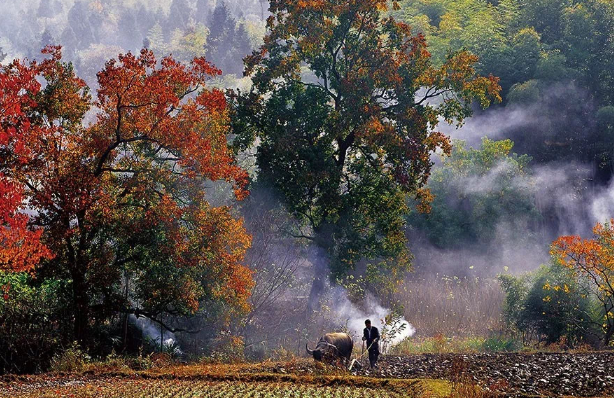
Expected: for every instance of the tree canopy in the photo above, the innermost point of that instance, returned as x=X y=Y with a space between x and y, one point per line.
x=475 y=191
x=344 y=107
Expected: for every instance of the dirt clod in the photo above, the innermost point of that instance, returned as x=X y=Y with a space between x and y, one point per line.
x=550 y=374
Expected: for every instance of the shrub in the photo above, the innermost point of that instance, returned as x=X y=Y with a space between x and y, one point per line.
x=228 y=349
x=72 y=359
x=500 y=344
x=117 y=363
x=548 y=306
x=32 y=322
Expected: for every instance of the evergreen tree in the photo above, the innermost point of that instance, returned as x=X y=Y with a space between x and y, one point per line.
x=58 y=7
x=203 y=9
x=45 y=9
x=129 y=34
x=228 y=42
x=69 y=42
x=179 y=16
x=26 y=36
x=242 y=44
x=47 y=39
x=220 y=23
x=155 y=38
x=80 y=25
x=145 y=20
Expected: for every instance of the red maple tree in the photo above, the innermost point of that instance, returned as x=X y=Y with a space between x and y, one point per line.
x=110 y=190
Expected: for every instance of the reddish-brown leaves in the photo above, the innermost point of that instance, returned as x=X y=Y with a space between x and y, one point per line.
x=169 y=107
x=588 y=256
x=20 y=246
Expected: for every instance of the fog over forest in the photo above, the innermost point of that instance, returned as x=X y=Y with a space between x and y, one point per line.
x=497 y=206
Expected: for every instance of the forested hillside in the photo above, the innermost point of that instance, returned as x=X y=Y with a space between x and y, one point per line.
x=556 y=56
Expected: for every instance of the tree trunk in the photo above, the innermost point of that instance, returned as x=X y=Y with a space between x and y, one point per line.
x=320 y=258
x=320 y=273
x=125 y=326
x=608 y=335
x=81 y=306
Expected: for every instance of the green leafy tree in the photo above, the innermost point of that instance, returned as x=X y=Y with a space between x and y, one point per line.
x=524 y=55
x=524 y=93
x=586 y=41
x=555 y=307
x=549 y=306
x=545 y=16
x=475 y=190
x=344 y=106
x=189 y=43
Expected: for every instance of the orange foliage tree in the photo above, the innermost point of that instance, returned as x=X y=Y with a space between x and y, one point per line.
x=109 y=193
x=592 y=260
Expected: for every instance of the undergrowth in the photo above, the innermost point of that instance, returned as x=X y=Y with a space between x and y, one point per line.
x=440 y=344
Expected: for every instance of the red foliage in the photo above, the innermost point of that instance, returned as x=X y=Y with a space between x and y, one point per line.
x=20 y=246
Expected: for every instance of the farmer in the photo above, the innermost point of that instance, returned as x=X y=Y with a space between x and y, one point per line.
x=371 y=336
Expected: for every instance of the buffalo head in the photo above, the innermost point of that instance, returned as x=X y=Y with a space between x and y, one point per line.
x=332 y=346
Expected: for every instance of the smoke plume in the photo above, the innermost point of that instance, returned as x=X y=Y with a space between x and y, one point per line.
x=353 y=316
x=159 y=338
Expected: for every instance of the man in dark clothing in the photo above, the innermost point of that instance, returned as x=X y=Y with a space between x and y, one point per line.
x=371 y=336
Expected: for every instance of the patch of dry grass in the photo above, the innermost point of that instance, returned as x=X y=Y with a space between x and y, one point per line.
x=269 y=379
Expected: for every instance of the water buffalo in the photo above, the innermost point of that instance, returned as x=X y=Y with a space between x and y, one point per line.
x=332 y=346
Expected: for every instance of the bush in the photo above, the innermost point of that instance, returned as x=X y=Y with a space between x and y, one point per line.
x=548 y=306
x=71 y=360
x=439 y=344
x=115 y=362
x=516 y=289
x=500 y=344
x=228 y=348
x=33 y=323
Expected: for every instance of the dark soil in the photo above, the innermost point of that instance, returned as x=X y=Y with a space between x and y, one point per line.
x=514 y=374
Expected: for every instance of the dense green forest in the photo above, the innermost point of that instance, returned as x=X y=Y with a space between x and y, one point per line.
x=457 y=139
x=554 y=55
